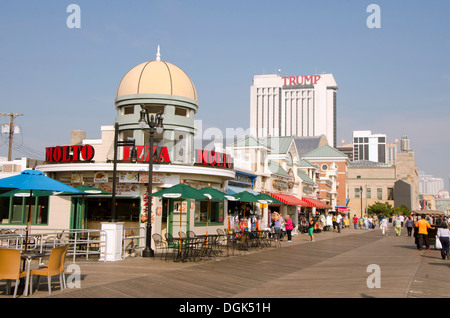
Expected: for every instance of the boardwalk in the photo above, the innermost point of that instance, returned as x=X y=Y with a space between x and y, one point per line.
x=335 y=266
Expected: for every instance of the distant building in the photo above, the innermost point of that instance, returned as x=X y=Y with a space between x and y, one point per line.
x=298 y=106
x=368 y=146
x=369 y=182
x=430 y=185
x=346 y=149
x=332 y=170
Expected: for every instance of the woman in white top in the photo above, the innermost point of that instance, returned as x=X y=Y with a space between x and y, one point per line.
x=443 y=234
x=384 y=226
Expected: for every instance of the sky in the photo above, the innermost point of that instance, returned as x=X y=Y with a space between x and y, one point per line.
x=392 y=79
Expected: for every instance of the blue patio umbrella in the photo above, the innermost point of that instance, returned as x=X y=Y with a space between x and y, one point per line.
x=34 y=180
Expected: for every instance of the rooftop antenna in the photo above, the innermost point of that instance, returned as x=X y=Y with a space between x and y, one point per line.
x=158 y=55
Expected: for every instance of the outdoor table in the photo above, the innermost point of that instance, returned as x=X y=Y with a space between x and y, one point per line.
x=27 y=258
x=181 y=248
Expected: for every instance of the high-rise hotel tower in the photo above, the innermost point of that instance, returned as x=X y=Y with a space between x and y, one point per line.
x=301 y=106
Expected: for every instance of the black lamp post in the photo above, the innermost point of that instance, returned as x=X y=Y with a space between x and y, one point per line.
x=133 y=159
x=155 y=123
x=361 y=195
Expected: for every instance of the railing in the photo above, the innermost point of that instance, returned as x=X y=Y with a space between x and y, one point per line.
x=133 y=239
x=83 y=243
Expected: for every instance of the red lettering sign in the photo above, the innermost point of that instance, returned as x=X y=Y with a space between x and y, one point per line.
x=212 y=158
x=301 y=80
x=160 y=154
x=69 y=153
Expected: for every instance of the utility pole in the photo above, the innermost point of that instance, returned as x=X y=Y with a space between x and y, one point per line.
x=11 y=130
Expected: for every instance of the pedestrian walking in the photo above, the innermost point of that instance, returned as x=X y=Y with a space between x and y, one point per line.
x=311 y=230
x=366 y=222
x=443 y=233
x=384 y=226
x=276 y=218
x=422 y=232
x=289 y=228
x=409 y=224
x=398 y=226
x=370 y=219
x=355 y=221
x=338 y=222
x=282 y=228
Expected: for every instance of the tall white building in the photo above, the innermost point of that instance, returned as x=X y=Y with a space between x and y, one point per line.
x=301 y=106
x=368 y=146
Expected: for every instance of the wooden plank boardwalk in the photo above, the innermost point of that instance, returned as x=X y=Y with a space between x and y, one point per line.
x=334 y=266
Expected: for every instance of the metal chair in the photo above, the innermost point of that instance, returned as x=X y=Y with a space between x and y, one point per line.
x=172 y=244
x=160 y=244
x=10 y=267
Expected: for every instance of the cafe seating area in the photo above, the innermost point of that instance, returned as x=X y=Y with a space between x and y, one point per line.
x=183 y=247
x=20 y=266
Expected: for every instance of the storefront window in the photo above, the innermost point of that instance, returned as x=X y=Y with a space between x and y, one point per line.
x=214 y=214
x=14 y=210
x=99 y=209
x=4 y=210
x=17 y=211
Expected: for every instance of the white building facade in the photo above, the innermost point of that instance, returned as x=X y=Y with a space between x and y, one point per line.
x=368 y=146
x=299 y=106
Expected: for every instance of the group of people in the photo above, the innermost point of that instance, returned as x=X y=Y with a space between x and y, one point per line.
x=418 y=226
x=442 y=234
x=282 y=226
x=365 y=223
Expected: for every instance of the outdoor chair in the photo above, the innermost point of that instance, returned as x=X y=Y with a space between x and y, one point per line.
x=160 y=244
x=221 y=239
x=172 y=244
x=53 y=268
x=191 y=234
x=63 y=260
x=10 y=267
x=193 y=248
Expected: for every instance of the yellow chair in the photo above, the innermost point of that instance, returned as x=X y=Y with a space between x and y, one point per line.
x=63 y=259
x=53 y=268
x=10 y=267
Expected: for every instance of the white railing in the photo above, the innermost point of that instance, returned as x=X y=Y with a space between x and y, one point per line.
x=83 y=243
x=133 y=240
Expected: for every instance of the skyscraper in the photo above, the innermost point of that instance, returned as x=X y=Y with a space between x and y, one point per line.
x=301 y=106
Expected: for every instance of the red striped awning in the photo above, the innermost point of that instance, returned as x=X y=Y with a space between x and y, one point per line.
x=314 y=203
x=288 y=199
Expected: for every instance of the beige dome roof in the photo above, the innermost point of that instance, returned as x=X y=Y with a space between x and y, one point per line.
x=157 y=77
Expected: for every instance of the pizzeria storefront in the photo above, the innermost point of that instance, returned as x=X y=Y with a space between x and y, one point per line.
x=156 y=87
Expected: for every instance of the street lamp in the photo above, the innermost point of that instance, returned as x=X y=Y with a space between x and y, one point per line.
x=361 y=195
x=155 y=123
x=133 y=159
